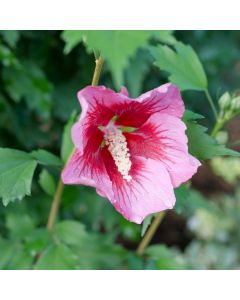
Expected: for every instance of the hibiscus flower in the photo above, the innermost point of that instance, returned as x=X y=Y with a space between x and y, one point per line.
x=133 y=151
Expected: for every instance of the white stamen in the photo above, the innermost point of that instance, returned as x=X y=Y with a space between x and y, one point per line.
x=118 y=148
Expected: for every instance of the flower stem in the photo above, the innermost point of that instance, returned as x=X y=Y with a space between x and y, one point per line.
x=210 y=100
x=55 y=205
x=219 y=124
x=60 y=186
x=150 y=233
x=98 y=67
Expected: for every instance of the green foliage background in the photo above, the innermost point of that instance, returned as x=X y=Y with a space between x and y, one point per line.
x=40 y=74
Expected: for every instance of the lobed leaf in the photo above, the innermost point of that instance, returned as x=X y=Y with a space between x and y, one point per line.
x=70 y=232
x=190 y=115
x=116 y=46
x=57 y=257
x=16 y=173
x=27 y=81
x=202 y=145
x=184 y=66
x=46 y=158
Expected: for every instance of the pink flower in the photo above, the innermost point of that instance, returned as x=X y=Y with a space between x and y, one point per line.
x=133 y=151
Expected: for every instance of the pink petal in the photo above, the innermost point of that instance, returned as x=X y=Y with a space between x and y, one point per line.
x=100 y=104
x=88 y=170
x=91 y=97
x=124 y=91
x=96 y=104
x=149 y=191
x=166 y=99
x=162 y=137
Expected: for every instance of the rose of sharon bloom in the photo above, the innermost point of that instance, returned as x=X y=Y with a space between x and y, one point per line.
x=133 y=151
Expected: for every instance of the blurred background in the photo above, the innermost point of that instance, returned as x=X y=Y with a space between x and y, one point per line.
x=38 y=86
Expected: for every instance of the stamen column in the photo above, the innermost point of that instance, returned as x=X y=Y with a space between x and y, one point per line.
x=117 y=146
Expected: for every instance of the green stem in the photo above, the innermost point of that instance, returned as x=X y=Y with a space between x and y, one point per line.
x=60 y=186
x=150 y=233
x=98 y=67
x=219 y=124
x=55 y=205
x=210 y=100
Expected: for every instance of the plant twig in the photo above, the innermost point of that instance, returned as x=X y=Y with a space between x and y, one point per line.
x=210 y=100
x=60 y=186
x=216 y=128
x=55 y=205
x=150 y=232
x=97 y=71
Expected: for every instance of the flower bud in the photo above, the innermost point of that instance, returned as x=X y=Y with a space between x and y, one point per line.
x=222 y=137
x=235 y=103
x=225 y=101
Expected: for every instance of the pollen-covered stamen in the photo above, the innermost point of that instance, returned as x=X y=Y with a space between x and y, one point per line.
x=117 y=146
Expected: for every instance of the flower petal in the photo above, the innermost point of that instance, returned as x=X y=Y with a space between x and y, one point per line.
x=162 y=137
x=96 y=103
x=149 y=191
x=158 y=149
x=166 y=99
x=88 y=170
x=124 y=91
x=100 y=104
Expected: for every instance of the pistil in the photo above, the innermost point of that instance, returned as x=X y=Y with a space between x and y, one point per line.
x=117 y=146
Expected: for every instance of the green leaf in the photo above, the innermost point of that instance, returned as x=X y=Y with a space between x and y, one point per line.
x=182 y=196
x=67 y=144
x=7 y=57
x=185 y=68
x=141 y=63
x=27 y=81
x=11 y=37
x=136 y=72
x=6 y=253
x=19 y=225
x=189 y=200
x=165 y=258
x=70 y=232
x=21 y=260
x=64 y=96
x=165 y=36
x=46 y=158
x=190 y=115
x=202 y=145
x=116 y=46
x=97 y=252
x=93 y=251
x=16 y=173
x=13 y=256
x=57 y=257
x=37 y=240
x=47 y=182
x=146 y=223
